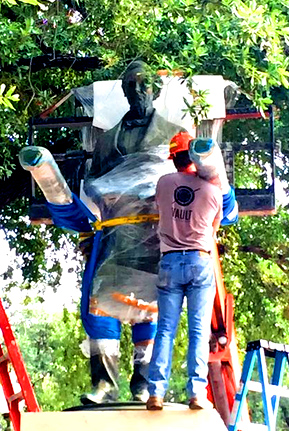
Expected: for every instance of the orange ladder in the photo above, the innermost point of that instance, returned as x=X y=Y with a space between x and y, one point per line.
x=14 y=357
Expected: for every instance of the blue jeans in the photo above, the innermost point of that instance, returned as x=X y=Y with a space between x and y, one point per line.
x=181 y=274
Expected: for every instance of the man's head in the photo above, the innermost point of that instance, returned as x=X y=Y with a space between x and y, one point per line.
x=179 y=151
x=137 y=85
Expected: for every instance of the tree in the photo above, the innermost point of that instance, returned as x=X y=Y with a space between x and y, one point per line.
x=50 y=347
x=245 y=41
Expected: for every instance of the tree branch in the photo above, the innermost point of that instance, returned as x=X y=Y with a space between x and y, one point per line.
x=63 y=62
x=280 y=260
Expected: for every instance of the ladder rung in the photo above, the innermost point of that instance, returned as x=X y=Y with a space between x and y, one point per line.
x=15 y=397
x=274 y=389
x=4 y=358
x=269 y=346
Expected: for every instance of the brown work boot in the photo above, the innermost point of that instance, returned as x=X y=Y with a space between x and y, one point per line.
x=199 y=403
x=155 y=403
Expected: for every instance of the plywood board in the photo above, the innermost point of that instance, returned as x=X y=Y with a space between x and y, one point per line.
x=124 y=420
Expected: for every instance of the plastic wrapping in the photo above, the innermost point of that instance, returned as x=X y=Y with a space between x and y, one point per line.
x=40 y=162
x=125 y=284
x=129 y=188
x=85 y=96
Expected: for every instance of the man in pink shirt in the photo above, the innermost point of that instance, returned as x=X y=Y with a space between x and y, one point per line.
x=190 y=210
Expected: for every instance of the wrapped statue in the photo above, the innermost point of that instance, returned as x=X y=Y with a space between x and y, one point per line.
x=121 y=243
x=119 y=279
x=127 y=162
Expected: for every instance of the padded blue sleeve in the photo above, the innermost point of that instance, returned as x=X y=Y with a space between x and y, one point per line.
x=74 y=216
x=105 y=327
x=143 y=331
x=230 y=208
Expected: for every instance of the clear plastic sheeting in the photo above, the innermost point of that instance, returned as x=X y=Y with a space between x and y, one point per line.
x=125 y=284
x=123 y=291
x=129 y=188
x=85 y=97
x=45 y=171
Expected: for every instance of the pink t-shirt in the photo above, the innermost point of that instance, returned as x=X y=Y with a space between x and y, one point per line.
x=187 y=205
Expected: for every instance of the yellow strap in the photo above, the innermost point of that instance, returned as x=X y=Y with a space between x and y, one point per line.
x=141 y=218
x=99 y=225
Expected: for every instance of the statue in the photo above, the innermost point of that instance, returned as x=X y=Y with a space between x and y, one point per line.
x=121 y=183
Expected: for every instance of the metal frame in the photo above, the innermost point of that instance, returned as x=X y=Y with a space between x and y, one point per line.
x=257 y=202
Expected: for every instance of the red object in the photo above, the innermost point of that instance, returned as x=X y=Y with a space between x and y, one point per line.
x=224 y=365
x=14 y=356
x=180 y=142
x=246 y=116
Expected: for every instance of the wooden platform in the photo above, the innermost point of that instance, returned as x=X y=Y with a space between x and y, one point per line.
x=174 y=417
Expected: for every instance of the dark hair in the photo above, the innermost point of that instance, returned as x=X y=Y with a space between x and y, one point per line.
x=182 y=159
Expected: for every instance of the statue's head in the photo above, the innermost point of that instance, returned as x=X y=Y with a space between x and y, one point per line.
x=138 y=84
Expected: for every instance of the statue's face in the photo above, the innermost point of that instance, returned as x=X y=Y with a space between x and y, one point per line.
x=138 y=91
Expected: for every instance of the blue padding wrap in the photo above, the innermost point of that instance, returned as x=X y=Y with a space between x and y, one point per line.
x=74 y=216
x=230 y=208
x=89 y=321
x=100 y=251
x=143 y=331
x=106 y=327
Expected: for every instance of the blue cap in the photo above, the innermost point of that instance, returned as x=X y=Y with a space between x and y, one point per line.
x=202 y=145
x=199 y=148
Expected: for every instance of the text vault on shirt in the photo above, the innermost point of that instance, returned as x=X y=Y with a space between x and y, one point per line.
x=181 y=214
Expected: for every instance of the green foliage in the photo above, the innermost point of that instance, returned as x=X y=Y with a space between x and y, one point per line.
x=199 y=109
x=255 y=273
x=246 y=42
x=126 y=363
x=8 y=97
x=14 y=2
x=36 y=246
x=50 y=347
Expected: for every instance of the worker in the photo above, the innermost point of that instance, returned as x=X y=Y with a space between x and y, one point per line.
x=190 y=210
x=140 y=130
x=207 y=157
